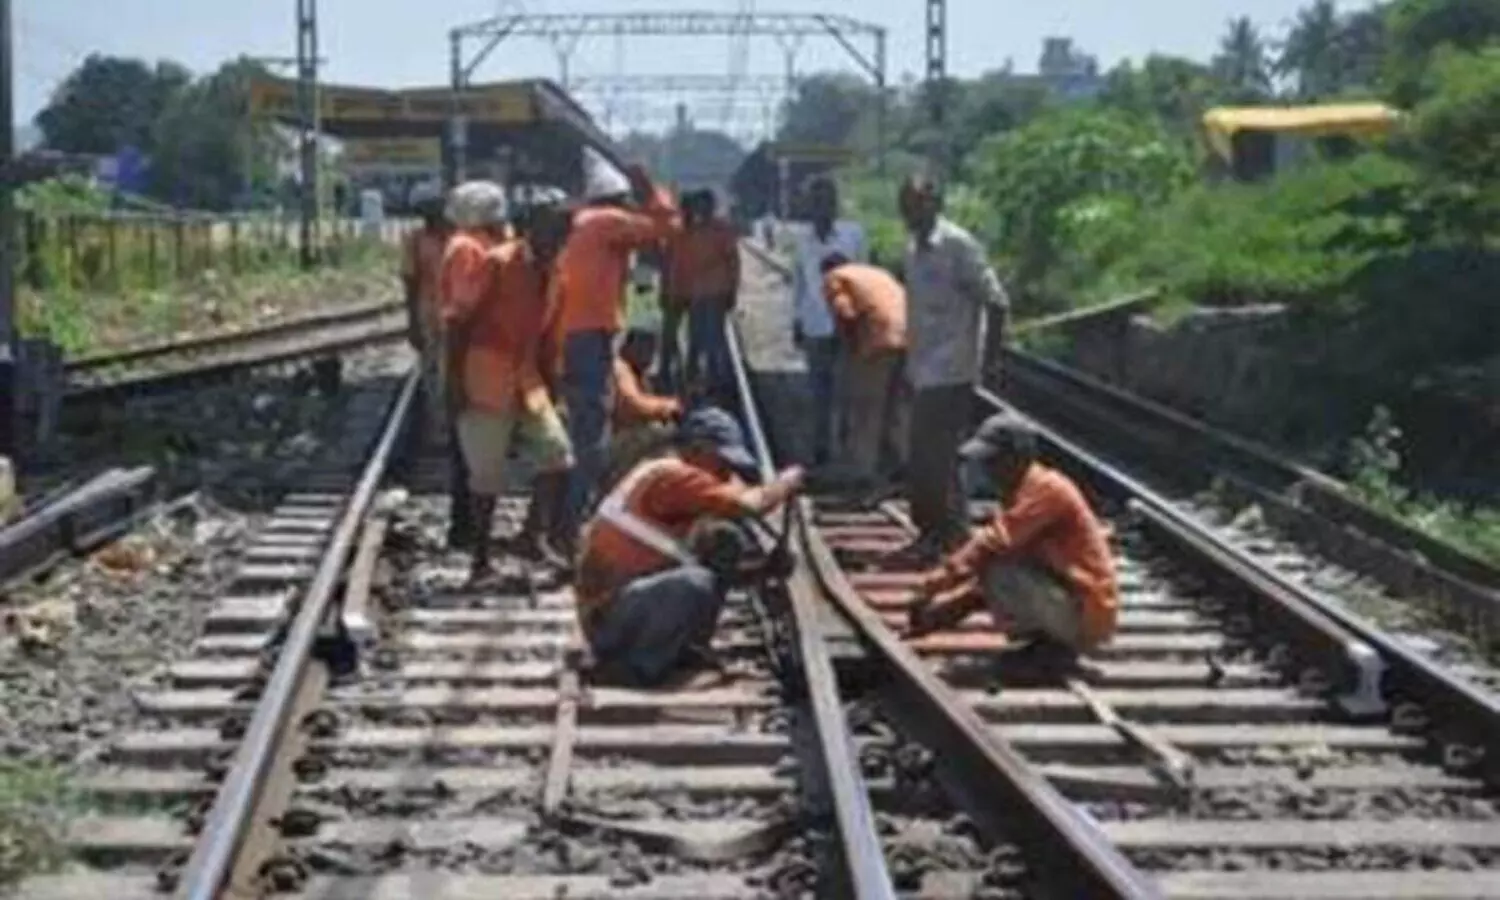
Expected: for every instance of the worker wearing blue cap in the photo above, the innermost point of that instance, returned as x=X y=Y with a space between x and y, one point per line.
x=654 y=568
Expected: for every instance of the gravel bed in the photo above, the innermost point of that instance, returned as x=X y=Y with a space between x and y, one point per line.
x=1292 y=801
x=1420 y=625
x=77 y=639
x=1317 y=859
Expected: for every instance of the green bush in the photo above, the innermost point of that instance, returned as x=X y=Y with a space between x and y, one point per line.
x=1286 y=241
x=1071 y=180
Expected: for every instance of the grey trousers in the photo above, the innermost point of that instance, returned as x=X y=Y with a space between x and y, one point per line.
x=877 y=410
x=940 y=420
x=652 y=621
x=1035 y=600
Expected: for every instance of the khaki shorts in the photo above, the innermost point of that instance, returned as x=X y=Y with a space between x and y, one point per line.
x=486 y=438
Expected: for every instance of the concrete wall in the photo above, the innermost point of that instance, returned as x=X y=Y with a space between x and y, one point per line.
x=1218 y=364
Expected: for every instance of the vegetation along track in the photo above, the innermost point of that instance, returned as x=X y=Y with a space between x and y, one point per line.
x=170 y=366
x=1443 y=600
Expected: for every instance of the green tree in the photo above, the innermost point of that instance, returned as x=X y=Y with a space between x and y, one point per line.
x=1243 y=63
x=110 y=102
x=689 y=157
x=209 y=150
x=1455 y=131
x=827 y=109
x=1169 y=88
x=1311 y=54
x=1418 y=29
x=994 y=103
x=1070 y=175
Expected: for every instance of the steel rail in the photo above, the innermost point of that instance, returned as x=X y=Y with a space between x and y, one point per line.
x=228 y=821
x=997 y=787
x=1318 y=625
x=148 y=382
x=864 y=871
x=136 y=355
x=1321 y=492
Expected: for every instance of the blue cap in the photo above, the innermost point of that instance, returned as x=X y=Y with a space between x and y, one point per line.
x=713 y=427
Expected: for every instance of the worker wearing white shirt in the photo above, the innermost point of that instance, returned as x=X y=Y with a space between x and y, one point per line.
x=814 y=330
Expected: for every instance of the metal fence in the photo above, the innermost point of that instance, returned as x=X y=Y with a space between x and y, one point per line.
x=114 y=251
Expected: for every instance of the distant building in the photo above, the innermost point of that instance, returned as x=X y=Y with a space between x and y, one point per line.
x=1068 y=73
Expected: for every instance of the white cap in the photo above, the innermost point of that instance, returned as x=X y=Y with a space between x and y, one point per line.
x=476 y=204
x=601 y=180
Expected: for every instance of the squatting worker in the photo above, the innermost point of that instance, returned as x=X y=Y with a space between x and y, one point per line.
x=949 y=289
x=593 y=268
x=642 y=422
x=1042 y=565
x=703 y=275
x=869 y=307
x=497 y=335
x=813 y=329
x=648 y=599
x=421 y=268
x=476 y=210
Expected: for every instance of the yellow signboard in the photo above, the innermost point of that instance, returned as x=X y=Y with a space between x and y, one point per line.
x=505 y=104
x=420 y=152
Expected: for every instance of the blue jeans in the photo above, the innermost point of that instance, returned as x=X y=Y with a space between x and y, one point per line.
x=587 y=360
x=822 y=363
x=653 y=620
x=708 y=348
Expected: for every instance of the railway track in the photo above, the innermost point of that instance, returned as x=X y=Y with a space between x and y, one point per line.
x=1244 y=736
x=1446 y=602
x=179 y=364
x=1241 y=738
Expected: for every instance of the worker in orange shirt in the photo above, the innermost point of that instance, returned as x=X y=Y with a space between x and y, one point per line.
x=641 y=421
x=497 y=325
x=1042 y=565
x=593 y=269
x=654 y=569
x=869 y=310
x=703 y=275
x=421 y=269
x=476 y=212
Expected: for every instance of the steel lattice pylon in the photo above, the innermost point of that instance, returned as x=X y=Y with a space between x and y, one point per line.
x=864 y=42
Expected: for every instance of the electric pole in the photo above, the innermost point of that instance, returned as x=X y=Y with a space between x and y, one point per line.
x=307 y=109
x=10 y=178
x=937 y=74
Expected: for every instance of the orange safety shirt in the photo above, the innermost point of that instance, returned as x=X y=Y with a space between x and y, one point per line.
x=461 y=278
x=1048 y=523
x=703 y=263
x=868 y=301
x=594 y=266
x=634 y=405
x=672 y=498
x=508 y=321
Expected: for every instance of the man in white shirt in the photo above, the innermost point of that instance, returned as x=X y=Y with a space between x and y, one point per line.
x=813 y=329
x=952 y=295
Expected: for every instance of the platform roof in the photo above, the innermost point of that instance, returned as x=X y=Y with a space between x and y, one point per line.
x=535 y=116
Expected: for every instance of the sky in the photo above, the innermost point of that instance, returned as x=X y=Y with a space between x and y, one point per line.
x=397 y=43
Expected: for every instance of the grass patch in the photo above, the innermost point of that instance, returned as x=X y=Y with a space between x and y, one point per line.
x=1376 y=462
x=34 y=799
x=84 y=323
